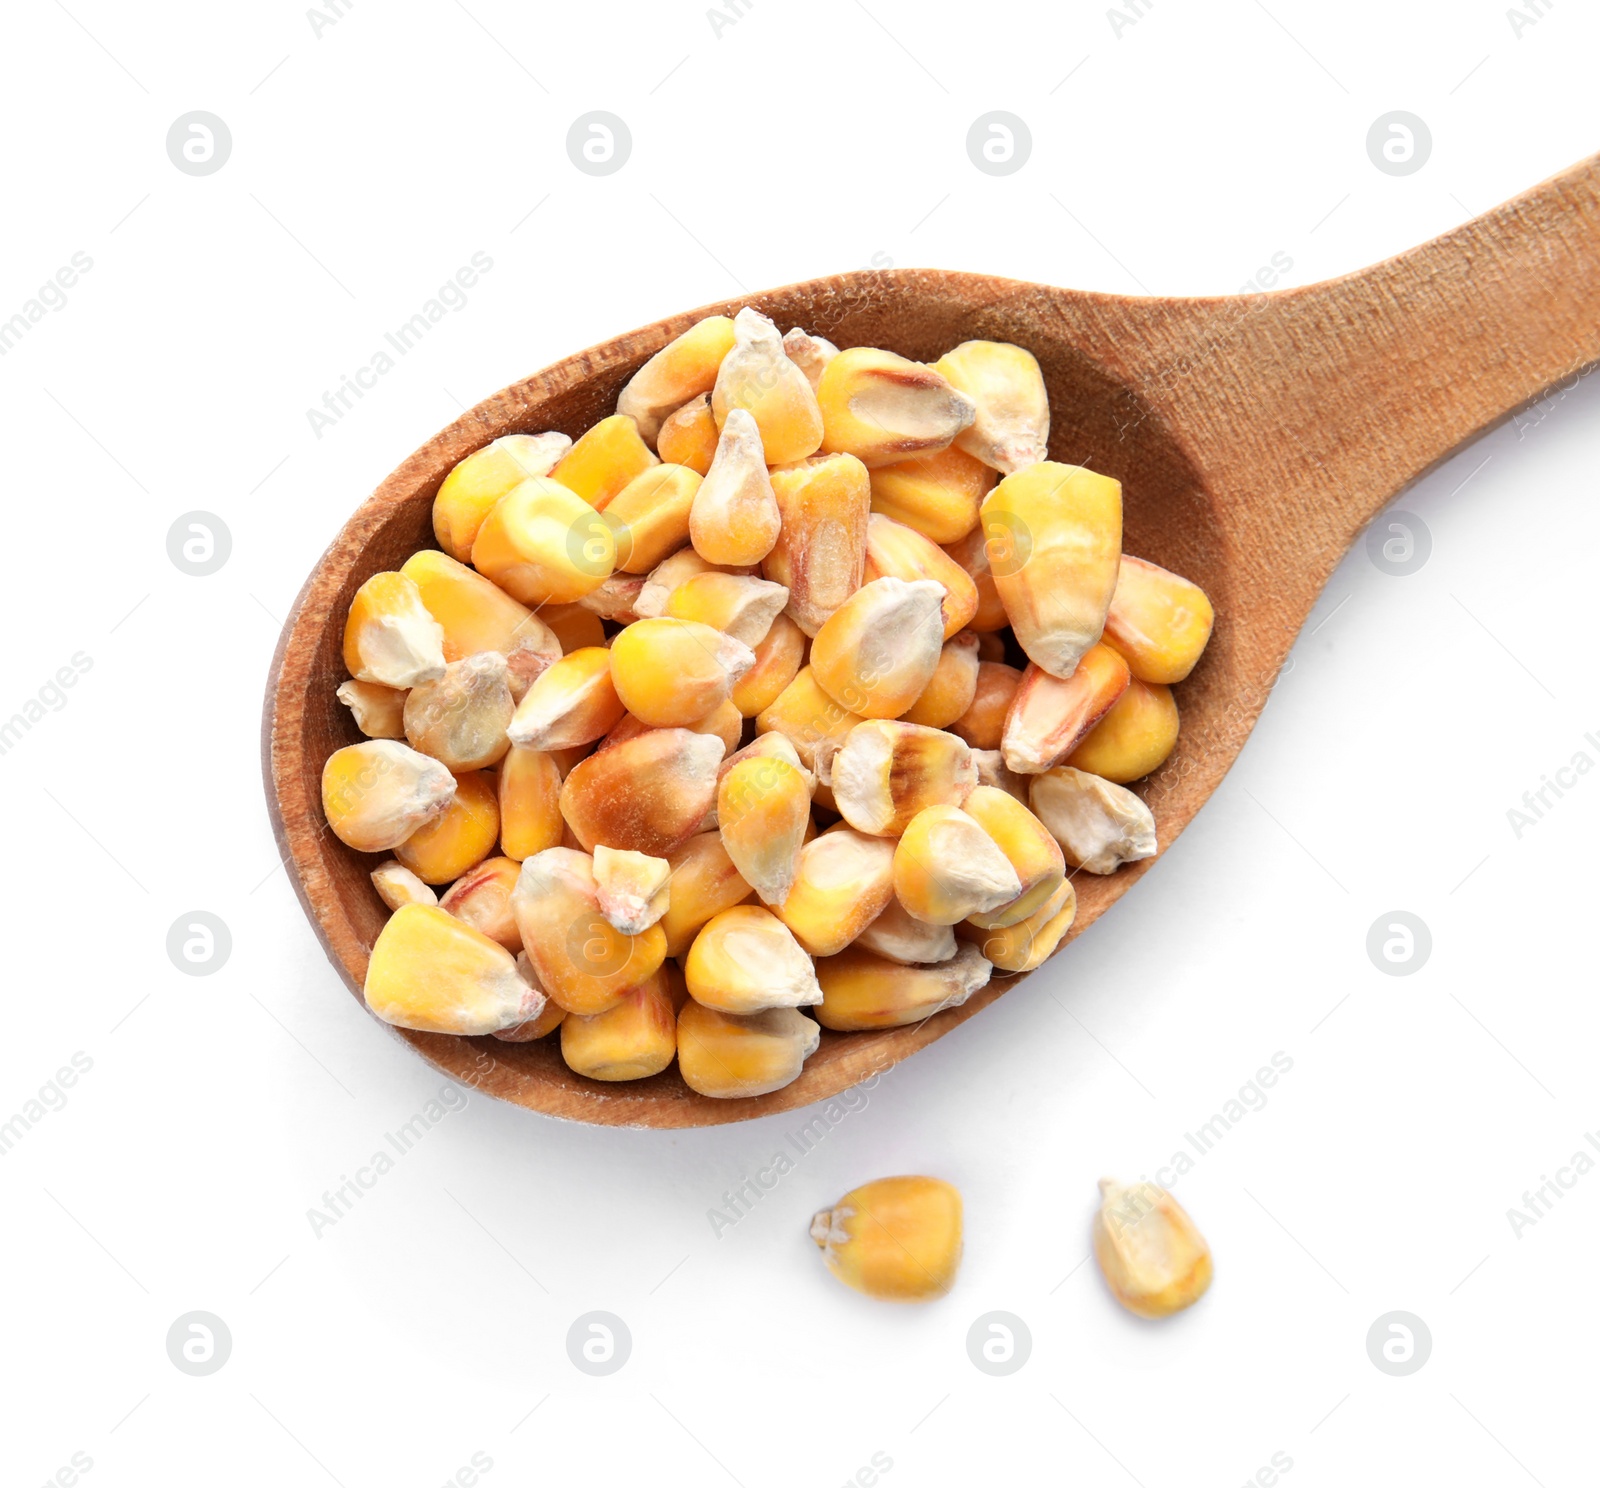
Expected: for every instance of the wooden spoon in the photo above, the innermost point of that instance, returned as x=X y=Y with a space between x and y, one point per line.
x=1254 y=438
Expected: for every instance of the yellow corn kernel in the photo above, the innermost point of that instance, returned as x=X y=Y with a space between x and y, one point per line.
x=580 y=959
x=666 y=576
x=689 y=436
x=529 y=787
x=887 y=771
x=1029 y=848
x=735 y=517
x=882 y=408
x=778 y=658
x=1011 y=428
x=567 y=760
x=458 y=839
x=736 y=604
x=604 y=460
x=758 y=378
x=389 y=636
x=681 y=370
x=482 y=898
x=895 y=936
x=731 y=1057
x=634 y=889
x=377 y=793
x=1100 y=826
x=947 y=867
x=745 y=960
x=543 y=544
x=1055 y=541
x=842 y=883
x=432 y=972
x=573 y=702
x=631 y=1041
x=811 y=720
x=861 y=991
x=704 y=883
x=809 y=353
x=461 y=717
x=670 y=673
x=647 y=794
x=546 y=1020
x=821 y=551
x=1158 y=621
x=573 y=626
x=937 y=495
x=971 y=555
x=952 y=687
x=763 y=809
x=879 y=650
x=1154 y=1259
x=983 y=724
x=723 y=722
x=379 y=711
x=1050 y=716
x=769 y=746
x=896 y=551
x=397 y=885
x=1030 y=942
x=649 y=517
x=468 y=494
x=993 y=770
x=1134 y=738
x=898 y=1239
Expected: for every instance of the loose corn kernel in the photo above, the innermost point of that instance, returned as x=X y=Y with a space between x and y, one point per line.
x=769 y=746
x=1050 y=716
x=432 y=972
x=1055 y=541
x=397 y=885
x=689 y=436
x=482 y=898
x=1011 y=428
x=724 y=722
x=881 y=408
x=670 y=673
x=736 y=604
x=937 y=495
x=896 y=551
x=468 y=493
x=649 y=516
x=1030 y=942
x=1100 y=826
x=546 y=1020
x=683 y=369
x=1134 y=738
x=567 y=760
x=861 y=991
x=603 y=460
x=758 y=378
x=461 y=717
x=389 y=636
x=821 y=551
x=634 y=888
x=667 y=575
x=614 y=598
x=543 y=544
x=971 y=555
x=648 y=794
x=573 y=626
x=1028 y=846
x=983 y=724
x=778 y=658
x=947 y=867
x=812 y=721
x=763 y=809
x=991 y=647
x=888 y=770
x=379 y=711
x=631 y=1041
x=529 y=787
x=895 y=936
x=842 y=883
x=377 y=793
x=809 y=353
x=877 y=652
x=745 y=960
x=729 y=1057
x=1154 y=1259
x=704 y=883
x=735 y=517
x=573 y=702
x=1158 y=621
x=952 y=687
x=580 y=959
x=993 y=770
x=461 y=837
x=898 y=1239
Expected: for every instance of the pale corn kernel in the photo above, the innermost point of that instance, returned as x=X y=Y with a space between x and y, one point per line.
x=650 y=516
x=482 y=898
x=758 y=378
x=952 y=687
x=379 y=711
x=631 y=1041
x=947 y=867
x=1158 y=621
x=1029 y=848
x=1154 y=1259
x=1100 y=826
x=821 y=551
x=580 y=959
x=1030 y=942
x=745 y=960
x=735 y=517
x=604 y=460
x=897 y=551
x=543 y=544
x=461 y=837
x=843 y=881
x=887 y=771
x=1050 y=716
x=671 y=672
x=881 y=408
x=546 y=1020
x=389 y=636
x=861 y=991
x=983 y=724
x=1134 y=738
x=898 y=1239
x=809 y=353
x=1055 y=541
x=432 y=972
x=1011 y=428
x=468 y=493
x=769 y=746
x=396 y=885
x=614 y=598
x=763 y=809
x=689 y=436
x=678 y=569
x=736 y=604
x=479 y=616
x=991 y=647
x=812 y=721
x=704 y=883
x=730 y=1057
x=377 y=793
x=529 y=786
x=634 y=888
x=879 y=650
x=684 y=368
x=937 y=495
x=573 y=626
x=461 y=717
x=778 y=659
x=993 y=770
x=648 y=794
x=574 y=702
x=895 y=936
x=971 y=555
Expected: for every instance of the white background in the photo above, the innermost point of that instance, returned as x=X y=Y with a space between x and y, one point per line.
x=369 y=163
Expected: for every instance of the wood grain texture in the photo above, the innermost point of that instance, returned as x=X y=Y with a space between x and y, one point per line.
x=1255 y=438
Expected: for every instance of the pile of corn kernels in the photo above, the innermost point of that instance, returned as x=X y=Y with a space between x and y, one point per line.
x=711 y=715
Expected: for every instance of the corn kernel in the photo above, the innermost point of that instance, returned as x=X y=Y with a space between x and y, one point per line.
x=704 y=883
x=667 y=575
x=1029 y=848
x=763 y=809
x=993 y=770
x=649 y=517
x=735 y=517
x=546 y=1020
x=898 y=1239
x=861 y=991
x=397 y=885
x=769 y=746
x=937 y=495
x=377 y=793
x=529 y=785
x=778 y=658
x=1011 y=428
x=735 y=604
x=821 y=551
x=603 y=461
x=983 y=724
x=543 y=544
x=689 y=436
x=481 y=898
x=670 y=672
x=1154 y=1259
x=952 y=687
x=379 y=711
x=615 y=596
x=947 y=867
x=895 y=936
x=634 y=889
x=879 y=650
x=812 y=721
x=1030 y=942
x=648 y=794
x=1049 y=717
x=886 y=772
x=809 y=353
x=881 y=408
x=842 y=883
x=631 y=1041
x=991 y=647
x=458 y=839
x=1158 y=621
x=573 y=626
x=683 y=369
x=745 y=960
x=895 y=551
x=758 y=378
x=1134 y=738
x=468 y=493
x=1100 y=826
x=432 y=972
x=389 y=636
x=971 y=555
x=729 y=1057
x=573 y=702
x=461 y=717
